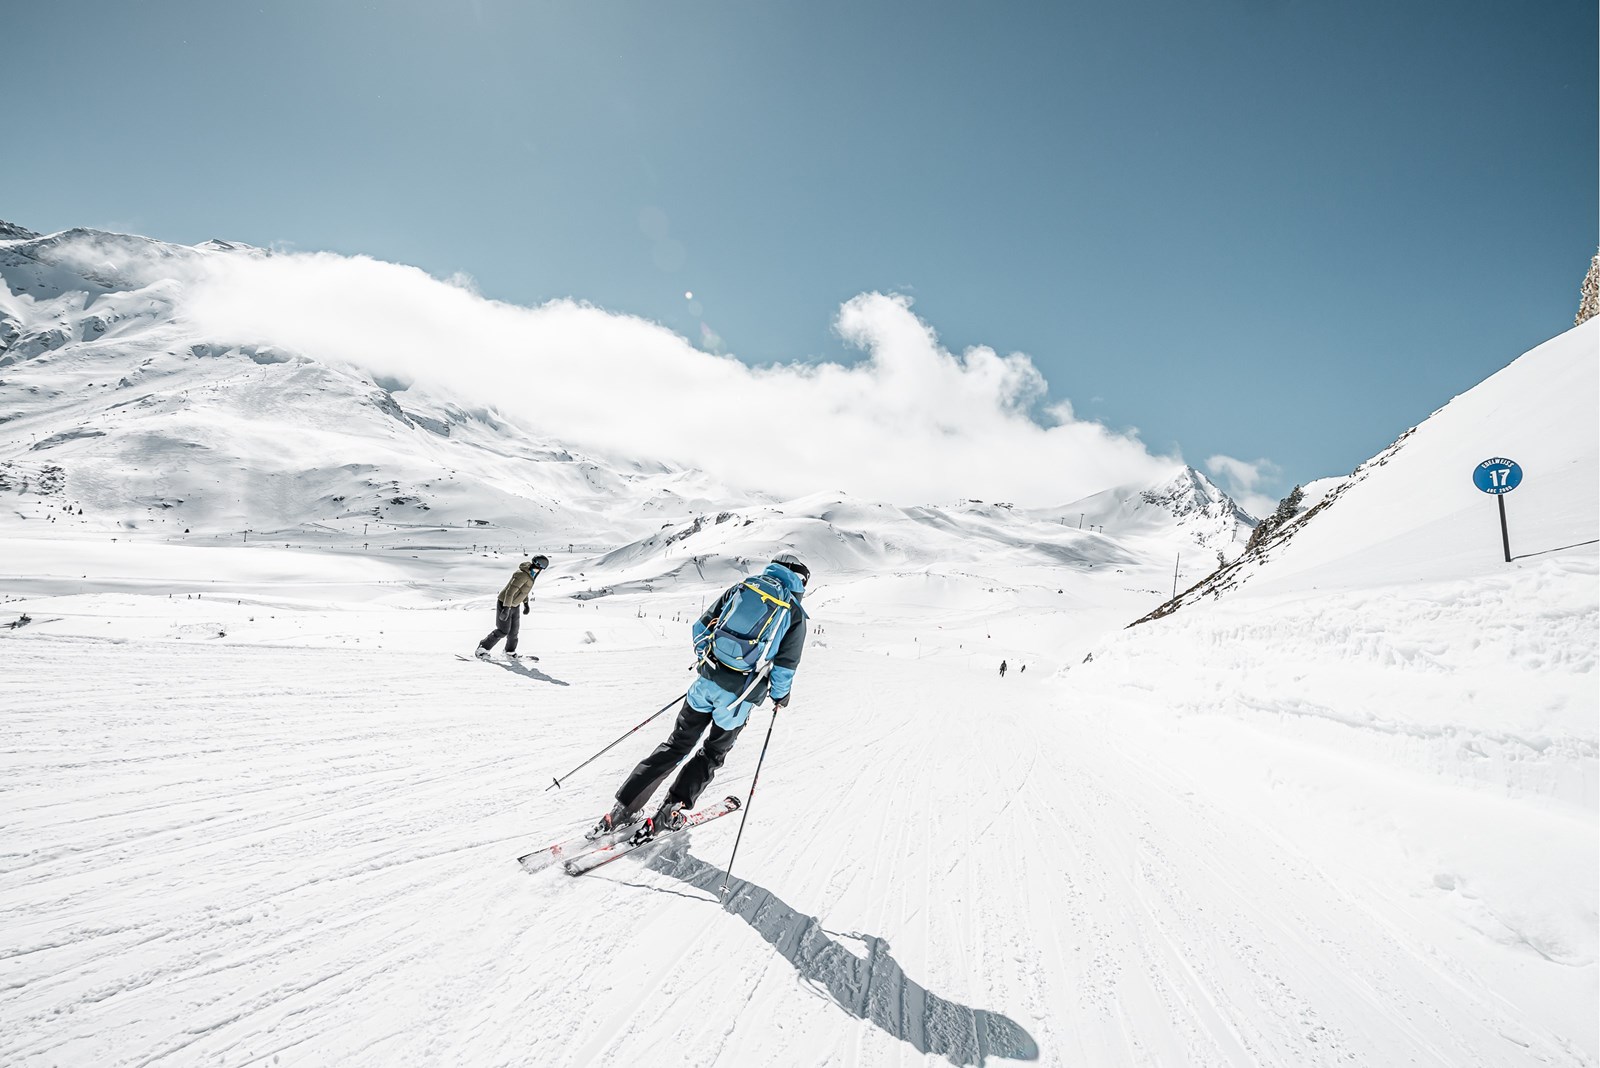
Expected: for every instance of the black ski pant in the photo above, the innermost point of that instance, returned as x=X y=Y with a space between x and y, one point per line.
x=696 y=774
x=507 y=622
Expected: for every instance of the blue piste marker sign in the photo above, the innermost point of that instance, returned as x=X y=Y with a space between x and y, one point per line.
x=1499 y=476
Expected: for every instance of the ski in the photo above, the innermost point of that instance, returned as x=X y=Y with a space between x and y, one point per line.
x=594 y=858
x=573 y=847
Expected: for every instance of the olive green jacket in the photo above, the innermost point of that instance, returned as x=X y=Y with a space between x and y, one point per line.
x=520 y=586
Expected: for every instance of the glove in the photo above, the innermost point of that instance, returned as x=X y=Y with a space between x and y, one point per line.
x=780 y=702
x=524 y=608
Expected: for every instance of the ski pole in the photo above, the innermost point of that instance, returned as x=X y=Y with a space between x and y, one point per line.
x=557 y=782
x=723 y=889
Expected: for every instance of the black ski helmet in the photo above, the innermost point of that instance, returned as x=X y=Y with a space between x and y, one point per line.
x=793 y=563
x=540 y=562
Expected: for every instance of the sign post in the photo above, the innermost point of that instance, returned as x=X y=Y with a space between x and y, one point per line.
x=1499 y=476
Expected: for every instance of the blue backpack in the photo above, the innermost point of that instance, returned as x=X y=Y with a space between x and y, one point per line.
x=755 y=616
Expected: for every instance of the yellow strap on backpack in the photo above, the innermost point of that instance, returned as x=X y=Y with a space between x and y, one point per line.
x=765 y=596
x=783 y=605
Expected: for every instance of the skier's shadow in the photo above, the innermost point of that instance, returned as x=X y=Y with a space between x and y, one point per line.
x=527 y=670
x=875 y=988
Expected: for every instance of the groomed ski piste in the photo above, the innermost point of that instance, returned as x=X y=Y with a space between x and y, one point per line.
x=255 y=810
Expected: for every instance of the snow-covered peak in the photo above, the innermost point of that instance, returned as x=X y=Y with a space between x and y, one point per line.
x=1186 y=503
x=1191 y=494
x=81 y=265
x=216 y=244
x=10 y=231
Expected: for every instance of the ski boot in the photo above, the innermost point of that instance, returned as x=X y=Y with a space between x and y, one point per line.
x=481 y=653
x=612 y=821
x=669 y=817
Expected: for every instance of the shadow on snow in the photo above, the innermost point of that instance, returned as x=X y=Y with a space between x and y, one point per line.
x=527 y=670
x=1564 y=548
x=875 y=988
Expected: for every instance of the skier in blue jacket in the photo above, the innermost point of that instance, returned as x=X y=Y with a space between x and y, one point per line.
x=720 y=699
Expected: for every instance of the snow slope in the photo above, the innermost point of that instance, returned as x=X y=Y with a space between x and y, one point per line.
x=1380 y=678
x=253 y=809
x=282 y=830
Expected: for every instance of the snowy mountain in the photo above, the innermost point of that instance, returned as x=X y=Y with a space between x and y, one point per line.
x=112 y=401
x=1203 y=515
x=1334 y=805
x=109 y=397
x=13 y=232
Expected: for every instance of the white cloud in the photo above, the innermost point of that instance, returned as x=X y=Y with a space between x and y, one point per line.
x=463 y=280
x=1240 y=479
x=909 y=423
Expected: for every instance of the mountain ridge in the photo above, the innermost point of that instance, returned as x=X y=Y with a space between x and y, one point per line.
x=145 y=420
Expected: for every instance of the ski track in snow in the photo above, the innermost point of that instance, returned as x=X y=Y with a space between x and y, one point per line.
x=273 y=854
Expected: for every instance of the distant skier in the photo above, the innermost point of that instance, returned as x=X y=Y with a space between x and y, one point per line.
x=517 y=594
x=759 y=619
x=1002 y=669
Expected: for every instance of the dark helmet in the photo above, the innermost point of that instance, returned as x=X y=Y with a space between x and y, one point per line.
x=540 y=562
x=793 y=563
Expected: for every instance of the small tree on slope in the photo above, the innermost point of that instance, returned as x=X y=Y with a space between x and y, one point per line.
x=1287 y=509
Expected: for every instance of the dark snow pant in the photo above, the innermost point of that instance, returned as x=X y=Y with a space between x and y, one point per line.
x=507 y=622
x=696 y=774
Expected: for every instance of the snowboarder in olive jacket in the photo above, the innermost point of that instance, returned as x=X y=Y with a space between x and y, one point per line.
x=517 y=594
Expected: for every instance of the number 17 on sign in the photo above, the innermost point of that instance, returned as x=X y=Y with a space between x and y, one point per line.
x=1499 y=476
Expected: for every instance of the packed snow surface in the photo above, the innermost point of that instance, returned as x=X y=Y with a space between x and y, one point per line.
x=1337 y=809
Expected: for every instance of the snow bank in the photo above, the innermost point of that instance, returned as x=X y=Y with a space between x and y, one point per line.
x=1383 y=688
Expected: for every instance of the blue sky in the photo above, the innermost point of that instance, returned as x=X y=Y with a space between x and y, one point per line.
x=1274 y=231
